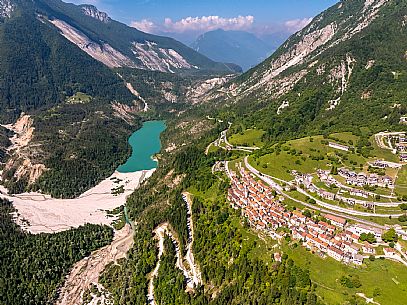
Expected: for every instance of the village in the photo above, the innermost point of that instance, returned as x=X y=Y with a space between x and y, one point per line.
x=328 y=235
x=353 y=179
x=394 y=141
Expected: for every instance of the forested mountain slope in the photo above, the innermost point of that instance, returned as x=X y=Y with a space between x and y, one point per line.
x=39 y=67
x=46 y=47
x=346 y=68
x=34 y=266
x=118 y=45
x=57 y=65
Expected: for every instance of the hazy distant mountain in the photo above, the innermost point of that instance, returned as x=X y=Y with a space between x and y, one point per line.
x=275 y=40
x=241 y=48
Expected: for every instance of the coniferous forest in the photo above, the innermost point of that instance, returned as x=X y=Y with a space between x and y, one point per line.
x=33 y=267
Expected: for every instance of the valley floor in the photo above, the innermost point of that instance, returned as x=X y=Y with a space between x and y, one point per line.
x=39 y=213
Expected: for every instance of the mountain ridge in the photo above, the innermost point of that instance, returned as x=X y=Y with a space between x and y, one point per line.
x=132 y=47
x=330 y=72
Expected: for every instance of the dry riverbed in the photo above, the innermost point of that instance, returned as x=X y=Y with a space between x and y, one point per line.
x=190 y=270
x=38 y=213
x=87 y=271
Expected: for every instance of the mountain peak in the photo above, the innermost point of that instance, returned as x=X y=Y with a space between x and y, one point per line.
x=92 y=11
x=347 y=60
x=335 y=28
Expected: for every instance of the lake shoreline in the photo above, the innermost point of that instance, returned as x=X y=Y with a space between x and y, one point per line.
x=145 y=143
x=40 y=213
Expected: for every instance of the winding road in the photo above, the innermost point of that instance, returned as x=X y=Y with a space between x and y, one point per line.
x=223 y=139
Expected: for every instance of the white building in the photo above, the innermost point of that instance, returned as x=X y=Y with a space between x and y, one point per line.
x=359 y=229
x=338 y=146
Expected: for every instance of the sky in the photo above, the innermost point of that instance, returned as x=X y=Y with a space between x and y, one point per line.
x=194 y=17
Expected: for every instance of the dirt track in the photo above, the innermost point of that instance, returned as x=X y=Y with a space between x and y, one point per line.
x=190 y=270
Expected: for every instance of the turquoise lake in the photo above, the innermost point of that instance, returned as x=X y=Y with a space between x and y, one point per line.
x=145 y=143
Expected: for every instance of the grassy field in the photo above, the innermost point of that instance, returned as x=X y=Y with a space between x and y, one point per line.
x=213 y=149
x=309 y=154
x=264 y=246
x=233 y=165
x=345 y=137
x=250 y=137
x=79 y=98
x=300 y=155
x=381 y=274
x=401 y=182
x=384 y=280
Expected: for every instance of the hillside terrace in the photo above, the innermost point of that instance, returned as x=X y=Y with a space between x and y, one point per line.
x=362 y=179
x=394 y=141
x=306 y=181
x=265 y=212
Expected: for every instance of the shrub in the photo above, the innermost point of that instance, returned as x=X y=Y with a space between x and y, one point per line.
x=403 y=218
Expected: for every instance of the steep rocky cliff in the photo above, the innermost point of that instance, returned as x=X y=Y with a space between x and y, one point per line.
x=346 y=67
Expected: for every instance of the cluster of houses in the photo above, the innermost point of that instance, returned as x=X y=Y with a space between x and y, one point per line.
x=324 y=176
x=385 y=164
x=362 y=179
x=397 y=144
x=264 y=212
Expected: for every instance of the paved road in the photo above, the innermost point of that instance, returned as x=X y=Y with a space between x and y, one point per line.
x=223 y=138
x=380 y=135
x=325 y=208
x=269 y=180
x=279 y=190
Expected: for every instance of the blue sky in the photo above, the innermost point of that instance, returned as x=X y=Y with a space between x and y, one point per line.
x=183 y=16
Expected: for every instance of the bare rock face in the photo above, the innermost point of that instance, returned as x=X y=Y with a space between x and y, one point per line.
x=125 y=112
x=148 y=55
x=101 y=52
x=198 y=91
x=92 y=11
x=304 y=53
x=154 y=58
x=23 y=151
x=6 y=8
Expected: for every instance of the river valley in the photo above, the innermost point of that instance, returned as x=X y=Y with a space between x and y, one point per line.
x=85 y=274
x=39 y=213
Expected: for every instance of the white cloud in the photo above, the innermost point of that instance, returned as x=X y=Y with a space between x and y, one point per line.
x=209 y=23
x=145 y=25
x=297 y=24
x=195 y=24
